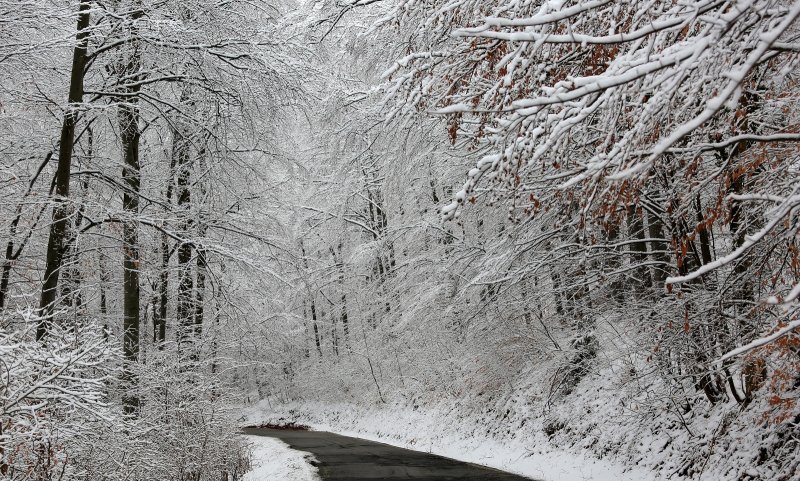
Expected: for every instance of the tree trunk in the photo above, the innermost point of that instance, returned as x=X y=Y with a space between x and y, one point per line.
x=202 y=260
x=71 y=282
x=129 y=138
x=705 y=238
x=658 y=248
x=104 y=280
x=185 y=307
x=613 y=263
x=557 y=294
x=315 y=327
x=639 y=248
x=130 y=239
x=11 y=253
x=5 y=277
x=166 y=253
x=199 y=300
x=163 y=292
x=58 y=228
x=317 y=340
x=343 y=315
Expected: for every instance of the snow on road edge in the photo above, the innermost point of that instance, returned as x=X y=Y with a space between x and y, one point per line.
x=272 y=459
x=535 y=458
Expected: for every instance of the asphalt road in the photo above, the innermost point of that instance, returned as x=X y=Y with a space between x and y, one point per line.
x=344 y=458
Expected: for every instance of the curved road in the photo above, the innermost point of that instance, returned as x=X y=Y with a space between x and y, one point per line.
x=343 y=458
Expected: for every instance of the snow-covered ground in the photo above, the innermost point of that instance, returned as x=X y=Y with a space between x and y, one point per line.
x=535 y=458
x=273 y=460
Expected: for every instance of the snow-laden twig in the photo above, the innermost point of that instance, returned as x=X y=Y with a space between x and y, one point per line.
x=780 y=213
x=762 y=341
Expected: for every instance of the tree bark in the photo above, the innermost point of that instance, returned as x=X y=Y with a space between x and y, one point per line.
x=13 y=254
x=130 y=239
x=658 y=248
x=315 y=327
x=613 y=263
x=104 y=280
x=58 y=228
x=72 y=279
x=129 y=138
x=639 y=248
x=343 y=317
x=317 y=340
x=160 y=318
x=185 y=307
x=705 y=238
x=202 y=260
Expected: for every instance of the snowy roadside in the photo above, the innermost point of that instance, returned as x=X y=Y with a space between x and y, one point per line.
x=535 y=458
x=272 y=460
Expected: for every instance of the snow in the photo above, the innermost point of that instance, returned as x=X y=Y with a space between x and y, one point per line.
x=615 y=425
x=273 y=460
x=777 y=218
x=409 y=429
x=762 y=341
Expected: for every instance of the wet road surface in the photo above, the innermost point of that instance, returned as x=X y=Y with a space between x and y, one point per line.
x=343 y=458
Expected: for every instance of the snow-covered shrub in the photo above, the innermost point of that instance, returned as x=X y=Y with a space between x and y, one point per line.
x=53 y=399
x=186 y=422
x=61 y=415
x=184 y=429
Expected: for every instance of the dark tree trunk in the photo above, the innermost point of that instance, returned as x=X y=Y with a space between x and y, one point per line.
x=754 y=370
x=338 y=260
x=163 y=292
x=202 y=260
x=613 y=263
x=557 y=294
x=315 y=327
x=334 y=335
x=343 y=315
x=658 y=248
x=5 y=278
x=317 y=340
x=200 y=290
x=130 y=238
x=11 y=253
x=58 y=228
x=185 y=307
x=6 y=275
x=705 y=238
x=163 y=278
x=639 y=248
x=385 y=261
x=104 y=280
x=130 y=70
x=71 y=284
x=345 y=322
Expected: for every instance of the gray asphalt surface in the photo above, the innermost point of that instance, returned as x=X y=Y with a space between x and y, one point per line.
x=344 y=458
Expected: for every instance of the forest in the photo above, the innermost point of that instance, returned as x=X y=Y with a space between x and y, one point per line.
x=565 y=229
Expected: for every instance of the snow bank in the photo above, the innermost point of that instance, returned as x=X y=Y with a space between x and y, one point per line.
x=433 y=431
x=597 y=433
x=274 y=460
x=627 y=418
